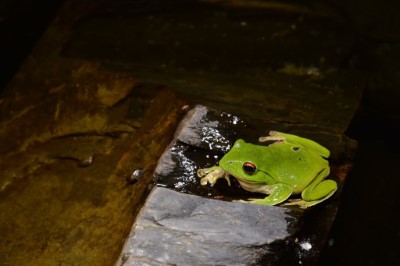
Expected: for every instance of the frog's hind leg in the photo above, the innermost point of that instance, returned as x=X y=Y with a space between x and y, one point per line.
x=318 y=191
x=289 y=138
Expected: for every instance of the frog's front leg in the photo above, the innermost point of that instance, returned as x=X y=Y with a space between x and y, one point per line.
x=279 y=193
x=289 y=138
x=212 y=174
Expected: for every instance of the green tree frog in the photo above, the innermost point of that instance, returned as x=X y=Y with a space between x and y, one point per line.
x=290 y=165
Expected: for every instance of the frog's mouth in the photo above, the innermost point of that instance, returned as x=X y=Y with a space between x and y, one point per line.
x=254 y=186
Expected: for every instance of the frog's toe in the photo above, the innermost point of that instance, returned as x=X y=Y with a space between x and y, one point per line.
x=204 y=181
x=250 y=200
x=200 y=172
x=243 y=201
x=260 y=201
x=294 y=200
x=303 y=204
x=291 y=202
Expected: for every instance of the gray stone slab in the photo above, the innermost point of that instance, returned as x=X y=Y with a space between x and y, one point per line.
x=180 y=229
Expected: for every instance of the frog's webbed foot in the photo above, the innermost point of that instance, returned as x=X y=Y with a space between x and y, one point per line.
x=273 y=136
x=303 y=204
x=212 y=174
x=291 y=202
x=244 y=201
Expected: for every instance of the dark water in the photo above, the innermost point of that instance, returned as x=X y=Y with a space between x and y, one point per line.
x=367 y=227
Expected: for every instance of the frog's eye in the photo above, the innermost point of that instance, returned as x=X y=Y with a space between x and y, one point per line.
x=249 y=168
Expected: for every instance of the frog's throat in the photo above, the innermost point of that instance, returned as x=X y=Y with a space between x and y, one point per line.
x=254 y=186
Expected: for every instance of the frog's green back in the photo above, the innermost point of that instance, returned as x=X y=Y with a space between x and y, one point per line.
x=291 y=164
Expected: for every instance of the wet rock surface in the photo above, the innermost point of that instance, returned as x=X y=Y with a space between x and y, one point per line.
x=202 y=137
x=179 y=229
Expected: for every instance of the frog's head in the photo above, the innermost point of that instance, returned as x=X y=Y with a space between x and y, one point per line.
x=243 y=162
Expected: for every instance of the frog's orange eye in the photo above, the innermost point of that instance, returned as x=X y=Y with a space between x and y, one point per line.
x=249 y=168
